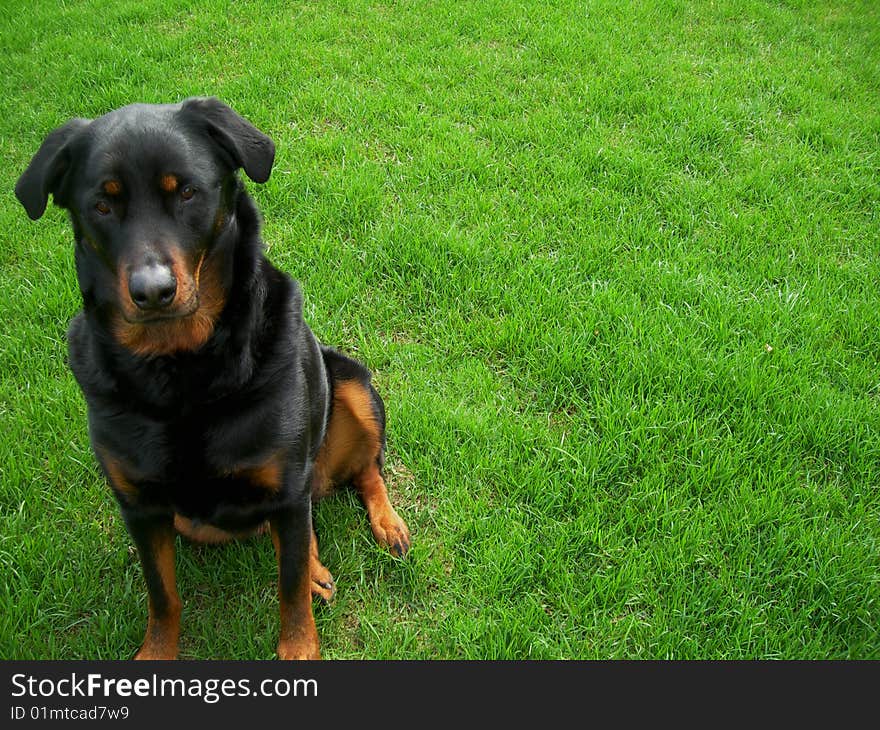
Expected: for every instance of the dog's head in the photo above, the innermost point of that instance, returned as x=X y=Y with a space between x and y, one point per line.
x=150 y=190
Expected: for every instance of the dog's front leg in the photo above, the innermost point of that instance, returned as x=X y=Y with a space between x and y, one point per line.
x=291 y=532
x=154 y=537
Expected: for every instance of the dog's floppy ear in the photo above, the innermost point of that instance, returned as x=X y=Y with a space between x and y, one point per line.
x=239 y=140
x=45 y=174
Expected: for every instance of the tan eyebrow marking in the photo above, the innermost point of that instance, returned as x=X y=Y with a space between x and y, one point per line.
x=112 y=187
x=168 y=183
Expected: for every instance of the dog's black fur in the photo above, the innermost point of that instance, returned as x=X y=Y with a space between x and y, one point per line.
x=217 y=410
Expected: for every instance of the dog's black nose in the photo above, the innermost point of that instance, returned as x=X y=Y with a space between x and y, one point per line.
x=152 y=286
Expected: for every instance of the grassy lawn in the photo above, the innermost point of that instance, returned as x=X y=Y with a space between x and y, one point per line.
x=615 y=268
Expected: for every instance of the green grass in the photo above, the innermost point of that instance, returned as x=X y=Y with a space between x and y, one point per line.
x=615 y=268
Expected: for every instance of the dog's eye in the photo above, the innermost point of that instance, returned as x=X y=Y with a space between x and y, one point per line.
x=187 y=191
x=102 y=207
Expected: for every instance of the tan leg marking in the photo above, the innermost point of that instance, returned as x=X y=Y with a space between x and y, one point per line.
x=116 y=475
x=268 y=475
x=388 y=528
x=163 y=628
x=298 y=638
x=351 y=451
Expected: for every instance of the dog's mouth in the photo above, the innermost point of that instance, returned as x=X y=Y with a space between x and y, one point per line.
x=180 y=312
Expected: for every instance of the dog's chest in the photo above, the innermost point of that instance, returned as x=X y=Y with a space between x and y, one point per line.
x=217 y=443
x=205 y=459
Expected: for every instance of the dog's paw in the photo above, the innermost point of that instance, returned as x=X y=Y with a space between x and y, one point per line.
x=391 y=531
x=291 y=649
x=151 y=653
x=323 y=585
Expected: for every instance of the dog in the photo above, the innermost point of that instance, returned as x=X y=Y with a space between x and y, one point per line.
x=213 y=410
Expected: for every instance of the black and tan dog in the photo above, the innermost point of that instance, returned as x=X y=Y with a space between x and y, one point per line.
x=213 y=410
